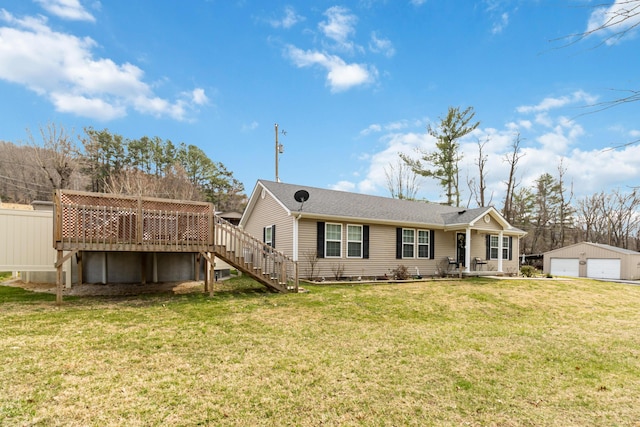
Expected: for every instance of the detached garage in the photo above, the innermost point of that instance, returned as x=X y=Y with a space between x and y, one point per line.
x=593 y=260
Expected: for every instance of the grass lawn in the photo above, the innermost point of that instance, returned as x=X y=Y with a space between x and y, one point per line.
x=472 y=352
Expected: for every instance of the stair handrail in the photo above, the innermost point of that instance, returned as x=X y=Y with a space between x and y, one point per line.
x=259 y=254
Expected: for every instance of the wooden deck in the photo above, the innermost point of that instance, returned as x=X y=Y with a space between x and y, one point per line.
x=106 y=222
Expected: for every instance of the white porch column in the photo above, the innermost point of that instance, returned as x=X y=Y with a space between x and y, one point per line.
x=467 y=251
x=500 y=252
x=295 y=237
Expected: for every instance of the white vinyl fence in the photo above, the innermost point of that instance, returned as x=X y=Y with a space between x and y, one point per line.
x=26 y=242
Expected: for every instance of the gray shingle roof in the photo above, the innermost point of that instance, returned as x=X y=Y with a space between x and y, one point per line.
x=614 y=248
x=341 y=204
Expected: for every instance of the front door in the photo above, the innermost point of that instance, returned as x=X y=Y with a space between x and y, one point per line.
x=461 y=244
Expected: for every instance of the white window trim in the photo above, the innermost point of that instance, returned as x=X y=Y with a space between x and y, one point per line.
x=268 y=241
x=505 y=247
x=327 y=240
x=409 y=244
x=361 y=241
x=496 y=247
x=418 y=244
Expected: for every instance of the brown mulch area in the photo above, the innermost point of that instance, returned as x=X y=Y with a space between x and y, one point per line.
x=111 y=289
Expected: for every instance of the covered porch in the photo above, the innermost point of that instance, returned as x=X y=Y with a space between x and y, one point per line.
x=484 y=252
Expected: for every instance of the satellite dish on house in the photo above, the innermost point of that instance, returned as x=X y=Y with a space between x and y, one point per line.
x=301 y=196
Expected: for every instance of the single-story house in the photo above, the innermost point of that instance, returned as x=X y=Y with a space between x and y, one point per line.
x=341 y=234
x=593 y=260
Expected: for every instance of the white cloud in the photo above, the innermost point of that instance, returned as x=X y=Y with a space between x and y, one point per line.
x=91 y=107
x=390 y=127
x=615 y=20
x=371 y=129
x=551 y=103
x=339 y=27
x=289 y=19
x=343 y=186
x=67 y=9
x=198 y=96
x=61 y=67
x=380 y=45
x=249 y=127
x=341 y=76
x=501 y=24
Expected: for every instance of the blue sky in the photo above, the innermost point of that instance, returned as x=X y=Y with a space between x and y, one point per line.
x=352 y=83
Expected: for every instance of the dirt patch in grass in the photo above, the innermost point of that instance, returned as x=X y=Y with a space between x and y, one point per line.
x=111 y=289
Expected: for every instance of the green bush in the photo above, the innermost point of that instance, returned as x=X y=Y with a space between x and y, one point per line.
x=528 y=270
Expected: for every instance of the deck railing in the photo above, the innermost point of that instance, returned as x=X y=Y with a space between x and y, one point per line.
x=106 y=222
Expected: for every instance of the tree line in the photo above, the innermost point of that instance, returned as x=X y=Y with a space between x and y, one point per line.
x=105 y=162
x=547 y=210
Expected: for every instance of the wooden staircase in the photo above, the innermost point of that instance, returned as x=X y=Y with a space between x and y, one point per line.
x=273 y=269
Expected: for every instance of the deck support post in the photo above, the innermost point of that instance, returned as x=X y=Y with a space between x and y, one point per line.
x=59 y=263
x=209 y=272
x=143 y=268
x=196 y=273
x=80 y=273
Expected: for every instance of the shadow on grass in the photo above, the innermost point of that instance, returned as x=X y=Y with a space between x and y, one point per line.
x=240 y=287
x=16 y=294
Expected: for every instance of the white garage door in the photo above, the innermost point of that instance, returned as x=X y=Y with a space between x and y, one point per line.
x=565 y=267
x=603 y=268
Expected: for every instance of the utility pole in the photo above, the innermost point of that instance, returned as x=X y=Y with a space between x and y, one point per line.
x=279 y=150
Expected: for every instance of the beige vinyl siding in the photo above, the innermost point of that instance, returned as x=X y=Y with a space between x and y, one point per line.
x=382 y=253
x=269 y=212
x=492 y=225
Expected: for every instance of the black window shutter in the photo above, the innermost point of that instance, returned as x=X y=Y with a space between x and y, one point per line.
x=264 y=234
x=398 y=243
x=273 y=236
x=432 y=244
x=510 y=248
x=365 y=241
x=488 y=246
x=320 y=244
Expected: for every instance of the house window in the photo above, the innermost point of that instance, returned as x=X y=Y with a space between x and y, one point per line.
x=494 y=250
x=505 y=247
x=354 y=241
x=268 y=235
x=333 y=240
x=408 y=242
x=423 y=243
x=493 y=247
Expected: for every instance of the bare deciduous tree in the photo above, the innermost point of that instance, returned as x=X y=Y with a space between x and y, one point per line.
x=402 y=182
x=56 y=154
x=479 y=191
x=565 y=210
x=512 y=159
